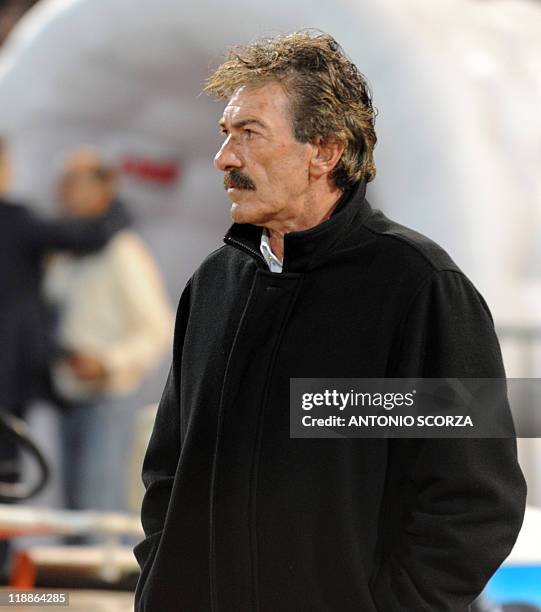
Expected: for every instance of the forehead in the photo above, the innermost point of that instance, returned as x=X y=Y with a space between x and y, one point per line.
x=83 y=160
x=268 y=103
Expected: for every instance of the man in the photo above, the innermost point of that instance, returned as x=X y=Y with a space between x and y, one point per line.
x=25 y=240
x=312 y=282
x=115 y=323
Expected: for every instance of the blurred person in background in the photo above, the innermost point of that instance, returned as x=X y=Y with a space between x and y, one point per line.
x=25 y=240
x=114 y=323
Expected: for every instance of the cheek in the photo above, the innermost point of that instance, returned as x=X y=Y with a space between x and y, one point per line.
x=283 y=168
x=284 y=160
x=293 y=169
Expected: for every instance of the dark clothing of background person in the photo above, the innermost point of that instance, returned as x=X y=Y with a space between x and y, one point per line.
x=25 y=239
x=239 y=516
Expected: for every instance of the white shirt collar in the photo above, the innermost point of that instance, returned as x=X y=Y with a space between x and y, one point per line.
x=275 y=265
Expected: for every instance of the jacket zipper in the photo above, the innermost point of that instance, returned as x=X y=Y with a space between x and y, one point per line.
x=223 y=394
x=255 y=459
x=245 y=248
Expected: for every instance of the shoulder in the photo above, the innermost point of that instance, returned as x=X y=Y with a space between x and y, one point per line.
x=127 y=251
x=126 y=245
x=126 y=240
x=413 y=265
x=406 y=246
x=223 y=264
x=214 y=259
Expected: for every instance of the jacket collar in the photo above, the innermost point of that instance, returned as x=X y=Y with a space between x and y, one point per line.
x=304 y=249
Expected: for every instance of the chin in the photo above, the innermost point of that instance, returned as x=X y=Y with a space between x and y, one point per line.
x=246 y=207
x=245 y=212
x=240 y=216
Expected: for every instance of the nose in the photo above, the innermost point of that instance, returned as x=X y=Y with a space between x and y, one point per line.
x=226 y=158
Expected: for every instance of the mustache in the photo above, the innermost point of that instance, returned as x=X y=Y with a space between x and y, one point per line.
x=235 y=178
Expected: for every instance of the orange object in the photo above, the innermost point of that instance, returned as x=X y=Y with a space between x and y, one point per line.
x=23 y=571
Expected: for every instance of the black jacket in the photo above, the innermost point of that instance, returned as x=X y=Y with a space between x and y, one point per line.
x=24 y=240
x=240 y=517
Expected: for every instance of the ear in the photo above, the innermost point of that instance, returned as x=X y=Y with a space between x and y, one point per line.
x=326 y=154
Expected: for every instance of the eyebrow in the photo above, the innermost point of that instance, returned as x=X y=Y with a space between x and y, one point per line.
x=243 y=122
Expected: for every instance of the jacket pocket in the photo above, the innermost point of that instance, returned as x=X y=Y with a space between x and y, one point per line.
x=144 y=552
x=143 y=549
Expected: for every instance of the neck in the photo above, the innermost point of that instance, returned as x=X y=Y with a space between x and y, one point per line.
x=314 y=210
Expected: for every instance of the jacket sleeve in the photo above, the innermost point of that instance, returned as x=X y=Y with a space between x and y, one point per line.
x=461 y=502
x=163 y=450
x=76 y=235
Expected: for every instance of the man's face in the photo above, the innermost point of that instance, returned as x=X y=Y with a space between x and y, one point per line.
x=266 y=169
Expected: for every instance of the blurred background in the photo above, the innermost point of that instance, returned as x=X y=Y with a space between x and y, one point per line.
x=103 y=125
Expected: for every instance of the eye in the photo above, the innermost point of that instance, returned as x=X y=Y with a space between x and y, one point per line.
x=249 y=132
